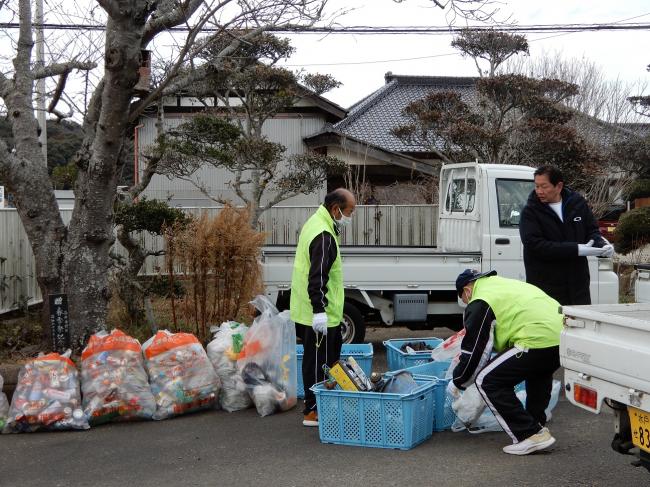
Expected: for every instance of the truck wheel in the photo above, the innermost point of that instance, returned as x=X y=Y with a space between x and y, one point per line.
x=353 y=329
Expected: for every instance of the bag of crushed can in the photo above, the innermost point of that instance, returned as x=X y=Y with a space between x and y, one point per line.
x=267 y=361
x=223 y=351
x=114 y=383
x=47 y=396
x=4 y=405
x=181 y=376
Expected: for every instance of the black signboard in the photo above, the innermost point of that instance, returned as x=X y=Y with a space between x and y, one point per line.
x=59 y=322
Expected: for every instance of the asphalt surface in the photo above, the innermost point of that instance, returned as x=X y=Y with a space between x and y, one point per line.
x=231 y=449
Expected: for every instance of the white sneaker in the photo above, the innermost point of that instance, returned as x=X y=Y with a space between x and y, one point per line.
x=533 y=443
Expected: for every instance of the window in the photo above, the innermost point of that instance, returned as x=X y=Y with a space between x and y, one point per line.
x=512 y=195
x=460 y=199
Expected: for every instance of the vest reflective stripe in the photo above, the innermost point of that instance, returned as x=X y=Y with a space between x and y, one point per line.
x=525 y=315
x=301 y=308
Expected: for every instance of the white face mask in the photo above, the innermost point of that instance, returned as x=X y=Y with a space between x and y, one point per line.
x=344 y=221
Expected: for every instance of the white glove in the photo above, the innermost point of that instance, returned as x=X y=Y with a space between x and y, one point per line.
x=588 y=249
x=452 y=390
x=319 y=324
x=608 y=249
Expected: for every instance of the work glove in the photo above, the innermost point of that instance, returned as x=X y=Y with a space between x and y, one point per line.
x=608 y=249
x=319 y=324
x=452 y=390
x=587 y=249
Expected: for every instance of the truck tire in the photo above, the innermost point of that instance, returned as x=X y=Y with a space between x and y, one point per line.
x=353 y=329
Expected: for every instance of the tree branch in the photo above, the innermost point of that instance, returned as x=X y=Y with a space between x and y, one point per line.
x=111 y=7
x=62 y=69
x=172 y=18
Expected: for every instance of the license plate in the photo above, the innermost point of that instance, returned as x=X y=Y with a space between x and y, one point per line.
x=640 y=424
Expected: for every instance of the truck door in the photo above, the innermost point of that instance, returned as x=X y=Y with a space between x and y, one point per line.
x=507 y=197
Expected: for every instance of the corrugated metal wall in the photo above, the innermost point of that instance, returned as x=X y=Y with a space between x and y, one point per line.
x=288 y=131
x=408 y=225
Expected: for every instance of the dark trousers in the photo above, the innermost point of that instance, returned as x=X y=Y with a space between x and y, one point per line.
x=496 y=382
x=317 y=352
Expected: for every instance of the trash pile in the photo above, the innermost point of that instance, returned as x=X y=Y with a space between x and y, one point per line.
x=181 y=376
x=169 y=375
x=114 y=384
x=47 y=396
x=414 y=347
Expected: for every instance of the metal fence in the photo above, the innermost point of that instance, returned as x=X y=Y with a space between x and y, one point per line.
x=398 y=225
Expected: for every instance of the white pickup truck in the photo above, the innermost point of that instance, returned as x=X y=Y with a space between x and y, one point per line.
x=605 y=352
x=478 y=227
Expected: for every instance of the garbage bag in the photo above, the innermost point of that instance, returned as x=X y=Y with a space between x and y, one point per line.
x=487 y=422
x=449 y=348
x=47 y=396
x=401 y=382
x=181 y=376
x=114 y=384
x=223 y=352
x=469 y=406
x=4 y=405
x=267 y=361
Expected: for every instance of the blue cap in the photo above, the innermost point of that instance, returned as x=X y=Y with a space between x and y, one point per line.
x=469 y=275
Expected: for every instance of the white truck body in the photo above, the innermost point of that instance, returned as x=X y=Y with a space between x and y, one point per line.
x=478 y=228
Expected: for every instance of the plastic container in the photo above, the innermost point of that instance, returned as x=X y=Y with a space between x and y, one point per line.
x=398 y=360
x=377 y=420
x=362 y=353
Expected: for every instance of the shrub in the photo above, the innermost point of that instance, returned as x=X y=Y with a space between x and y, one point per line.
x=640 y=189
x=633 y=230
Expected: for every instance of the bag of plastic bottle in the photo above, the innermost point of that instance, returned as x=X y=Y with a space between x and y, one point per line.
x=47 y=396
x=4 y=405
x=181 y=376
x=223 y=352
x=114 y=383
x=267 y=361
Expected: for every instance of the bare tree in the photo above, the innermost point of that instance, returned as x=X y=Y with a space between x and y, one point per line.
x=74 y=258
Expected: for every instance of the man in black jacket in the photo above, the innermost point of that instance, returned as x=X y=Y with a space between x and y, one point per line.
x=558 y=231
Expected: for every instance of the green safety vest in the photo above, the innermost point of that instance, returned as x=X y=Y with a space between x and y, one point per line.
x=525 y=316
x=300 y=305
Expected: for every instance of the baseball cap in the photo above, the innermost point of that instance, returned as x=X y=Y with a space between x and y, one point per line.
x=469 y=275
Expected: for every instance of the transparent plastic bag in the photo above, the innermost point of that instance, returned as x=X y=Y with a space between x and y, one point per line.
x=47 y=396
x=449 y=348
x=4 y=405
x=113 y=380
x=223 y=352
x=181 y=376
x=268 y=359
x=487 y=422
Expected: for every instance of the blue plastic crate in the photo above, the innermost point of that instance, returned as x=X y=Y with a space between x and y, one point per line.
x=362 y=353
x=398 y=360
x=432 y=369
x=374 y=419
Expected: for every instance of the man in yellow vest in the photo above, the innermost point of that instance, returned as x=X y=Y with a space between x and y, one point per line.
x=317 y=293
x=522 y=324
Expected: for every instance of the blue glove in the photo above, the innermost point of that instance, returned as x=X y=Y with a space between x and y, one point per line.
x=319 y=324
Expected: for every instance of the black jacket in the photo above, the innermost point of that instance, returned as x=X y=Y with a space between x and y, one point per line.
x=551 y=247
x=323 y=251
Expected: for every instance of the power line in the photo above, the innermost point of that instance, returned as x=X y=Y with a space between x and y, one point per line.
x=384 y=30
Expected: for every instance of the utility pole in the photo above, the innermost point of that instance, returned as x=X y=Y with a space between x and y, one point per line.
x=40 y=84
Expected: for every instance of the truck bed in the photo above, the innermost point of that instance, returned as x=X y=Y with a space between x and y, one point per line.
x=380 y=267
x=608 y=346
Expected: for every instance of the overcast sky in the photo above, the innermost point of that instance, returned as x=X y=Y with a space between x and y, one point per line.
x=623 y=54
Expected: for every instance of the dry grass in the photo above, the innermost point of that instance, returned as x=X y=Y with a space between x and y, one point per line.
x=216 y=261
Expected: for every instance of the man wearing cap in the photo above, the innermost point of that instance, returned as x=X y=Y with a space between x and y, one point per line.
x=522 y=324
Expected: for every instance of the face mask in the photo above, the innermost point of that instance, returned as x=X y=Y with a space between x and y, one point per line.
x=344 y=221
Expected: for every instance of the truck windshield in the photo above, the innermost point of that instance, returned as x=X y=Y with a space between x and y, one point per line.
x=512 y=195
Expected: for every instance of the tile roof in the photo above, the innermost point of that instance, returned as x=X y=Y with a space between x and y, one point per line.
x=372 y=118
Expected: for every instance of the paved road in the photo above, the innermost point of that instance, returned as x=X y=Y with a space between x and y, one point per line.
x=218 y=448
